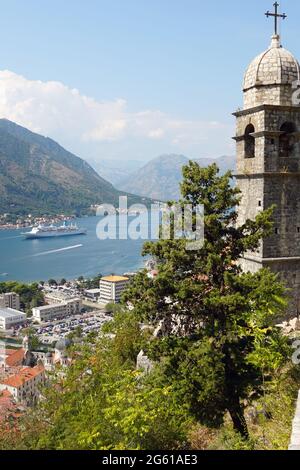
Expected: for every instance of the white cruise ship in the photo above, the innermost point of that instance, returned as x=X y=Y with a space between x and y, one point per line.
x=43 y=231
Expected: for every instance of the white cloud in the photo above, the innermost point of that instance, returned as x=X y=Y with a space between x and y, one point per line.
x=156 y=134
x=53 y=109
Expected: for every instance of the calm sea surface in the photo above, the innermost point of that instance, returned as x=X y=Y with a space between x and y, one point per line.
x=66 y=257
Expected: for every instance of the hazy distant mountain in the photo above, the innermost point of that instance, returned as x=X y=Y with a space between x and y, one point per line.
x=160 y=178
x=115 y=171
x=225 y=163
x=37 y=175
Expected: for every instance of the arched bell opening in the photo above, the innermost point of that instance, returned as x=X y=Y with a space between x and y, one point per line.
x=249 y=141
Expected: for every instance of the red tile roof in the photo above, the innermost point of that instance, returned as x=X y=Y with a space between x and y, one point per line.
x=15 y=357
x=25 y=375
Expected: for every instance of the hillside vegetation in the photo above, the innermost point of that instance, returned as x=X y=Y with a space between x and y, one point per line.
x=37 y=175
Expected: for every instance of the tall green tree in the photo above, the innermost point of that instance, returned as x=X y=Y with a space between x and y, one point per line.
x=215 y=322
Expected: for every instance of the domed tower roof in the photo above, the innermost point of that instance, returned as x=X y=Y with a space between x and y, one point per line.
x=270 y=77
x=274 y=66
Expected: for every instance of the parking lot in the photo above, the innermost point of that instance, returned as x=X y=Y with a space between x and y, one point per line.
x=87 y=322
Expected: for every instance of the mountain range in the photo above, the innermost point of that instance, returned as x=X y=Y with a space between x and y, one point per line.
x=37 y=175
x=161 y=177
x=116 y=170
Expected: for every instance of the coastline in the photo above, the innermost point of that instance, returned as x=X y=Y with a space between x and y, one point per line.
x=61 y=257
x=29 y=221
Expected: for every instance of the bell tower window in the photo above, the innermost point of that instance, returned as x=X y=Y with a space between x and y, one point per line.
x=249 y=141
x=287 y=140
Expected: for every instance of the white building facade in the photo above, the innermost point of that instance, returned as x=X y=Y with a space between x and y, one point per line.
x=92 y=294
x=11 y=318
x=51 y=312
x=10 y=300
x=111 y=288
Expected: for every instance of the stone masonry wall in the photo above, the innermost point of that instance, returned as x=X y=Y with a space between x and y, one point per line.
x=268 y=94
x=283 y=191
x=289 y=275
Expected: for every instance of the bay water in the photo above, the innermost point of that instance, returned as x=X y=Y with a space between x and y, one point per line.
x=66 y=257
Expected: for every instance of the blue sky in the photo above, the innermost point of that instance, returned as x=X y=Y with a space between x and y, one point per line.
x=150 y=76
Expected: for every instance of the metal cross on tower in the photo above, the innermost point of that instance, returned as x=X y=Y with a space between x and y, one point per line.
x=276 y=15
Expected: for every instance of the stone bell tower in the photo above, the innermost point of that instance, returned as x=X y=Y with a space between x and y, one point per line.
x=268 y=160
